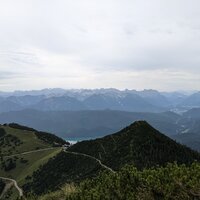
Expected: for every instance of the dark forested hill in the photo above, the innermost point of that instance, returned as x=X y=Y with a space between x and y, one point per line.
x=139 y=144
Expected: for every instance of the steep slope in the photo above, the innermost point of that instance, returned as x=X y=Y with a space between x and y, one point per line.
x=139 y=144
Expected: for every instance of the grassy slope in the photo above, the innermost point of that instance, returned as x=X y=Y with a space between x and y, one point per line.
x=28 y=142
x=34 y=161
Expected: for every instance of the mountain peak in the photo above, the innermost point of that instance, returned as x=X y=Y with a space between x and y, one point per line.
x=139 y=126
x=139 y=144
x=140 y=123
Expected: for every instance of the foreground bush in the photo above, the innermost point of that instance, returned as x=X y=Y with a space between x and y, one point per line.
x=166 y=183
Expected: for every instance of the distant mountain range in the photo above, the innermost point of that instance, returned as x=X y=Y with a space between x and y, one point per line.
x=98 y=99
x=94 y=113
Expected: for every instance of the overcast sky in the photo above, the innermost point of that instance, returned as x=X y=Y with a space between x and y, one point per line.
x=133 y=44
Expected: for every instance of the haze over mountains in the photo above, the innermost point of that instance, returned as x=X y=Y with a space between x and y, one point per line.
x=94 y=113
x=98 y=99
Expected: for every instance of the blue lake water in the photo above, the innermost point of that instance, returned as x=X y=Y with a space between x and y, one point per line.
x=79 y=139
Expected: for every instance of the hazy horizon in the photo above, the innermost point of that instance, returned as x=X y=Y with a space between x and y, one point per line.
x=123 y=89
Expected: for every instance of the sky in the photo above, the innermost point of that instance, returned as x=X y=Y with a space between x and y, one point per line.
x=134 y=44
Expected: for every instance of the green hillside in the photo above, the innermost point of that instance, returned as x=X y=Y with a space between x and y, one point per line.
x=139 y=145
x=24 y=150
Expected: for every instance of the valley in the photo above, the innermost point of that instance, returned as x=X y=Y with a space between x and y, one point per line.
x=37 y=164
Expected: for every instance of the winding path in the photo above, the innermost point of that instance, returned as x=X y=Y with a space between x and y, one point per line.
x=14 y=182
x=29 y=152
x=88 y=156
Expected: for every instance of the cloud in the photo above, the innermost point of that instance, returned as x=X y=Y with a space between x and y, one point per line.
x=7 y=75
x=90 y=43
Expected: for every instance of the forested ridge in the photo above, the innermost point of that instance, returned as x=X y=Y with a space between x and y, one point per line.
x=139 y=145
